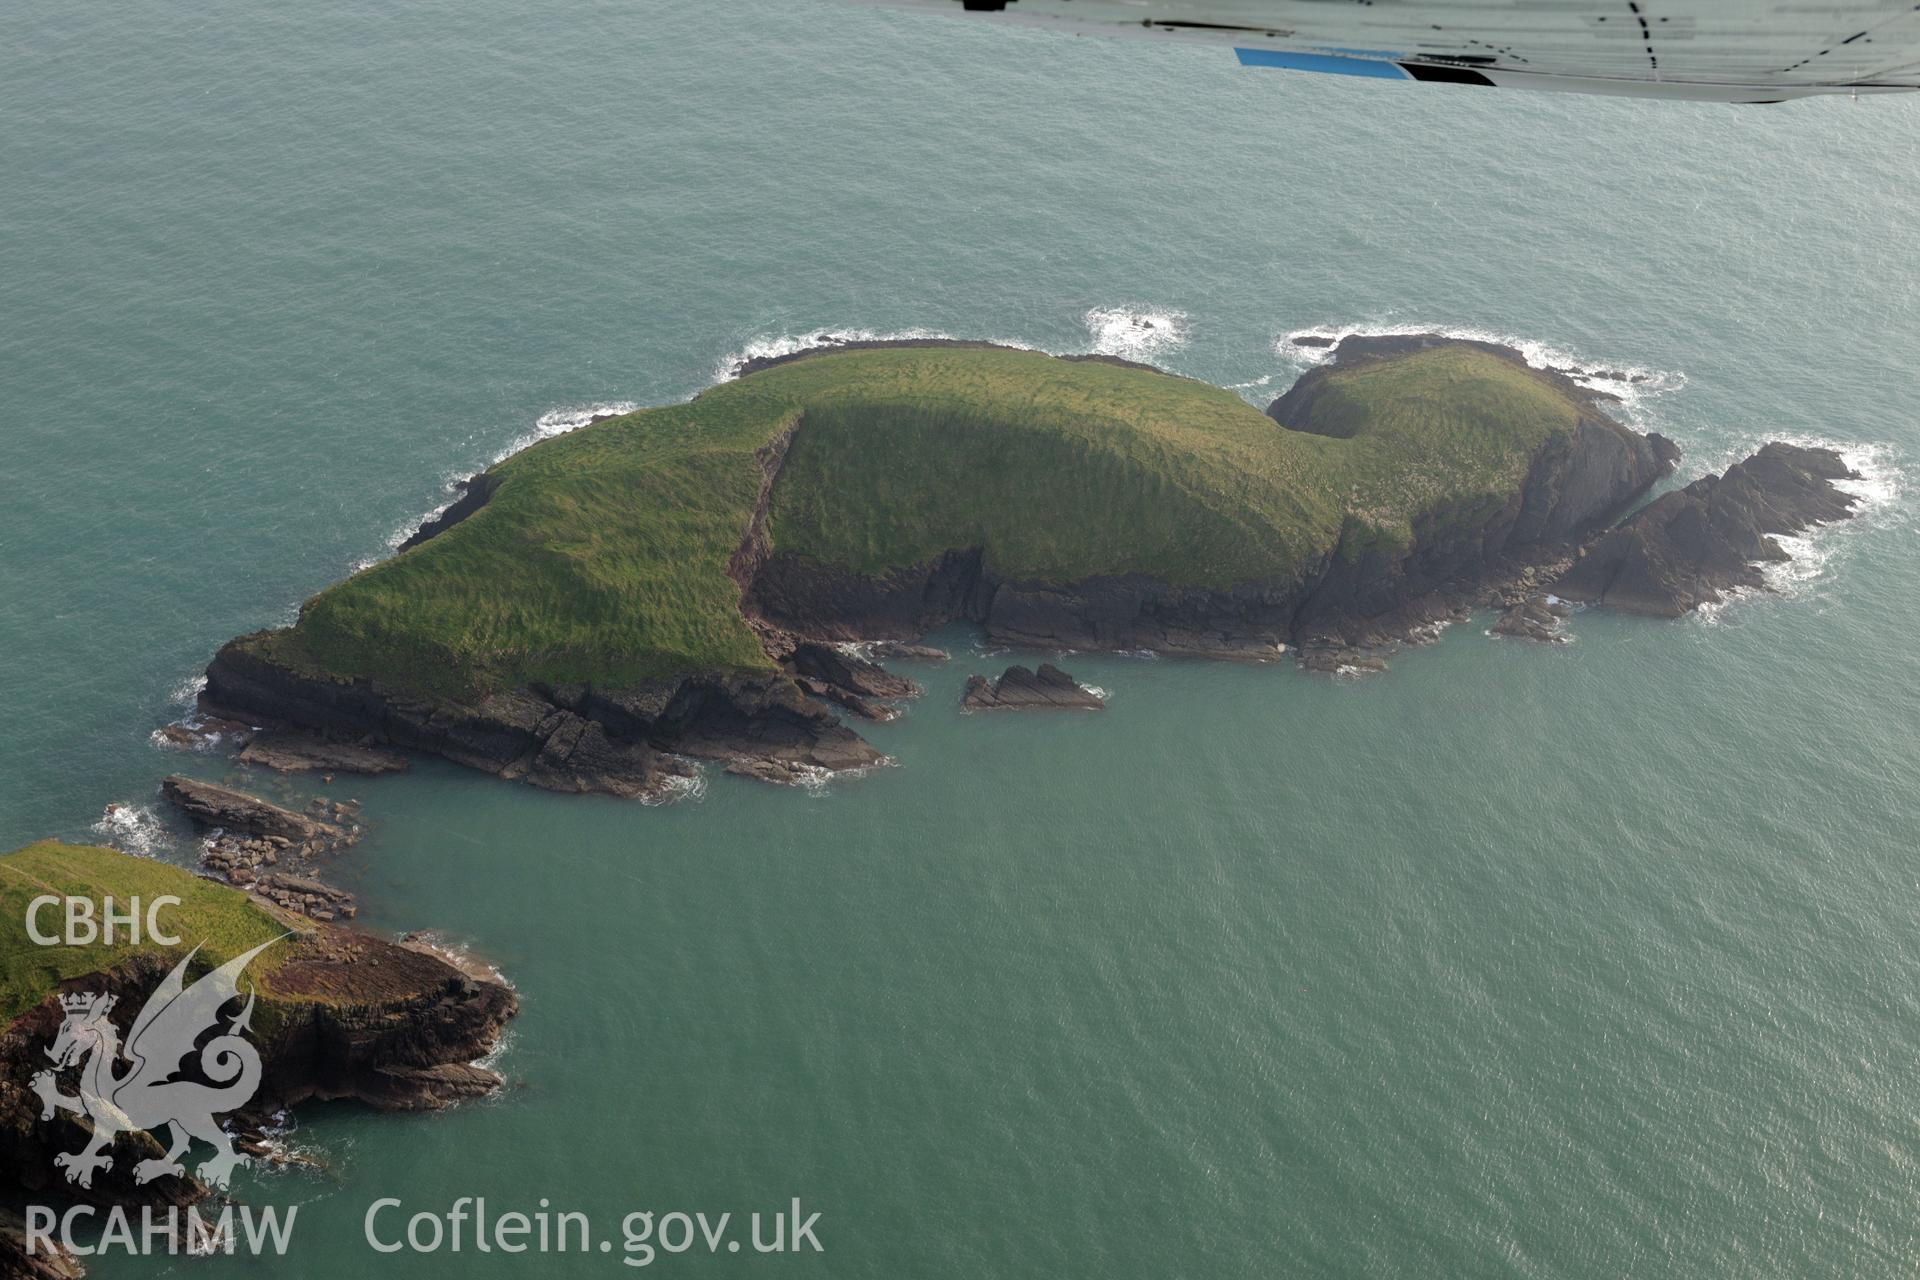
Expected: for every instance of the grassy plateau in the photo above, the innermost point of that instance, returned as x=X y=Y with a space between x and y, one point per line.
x=601 y=555
x=224 y=920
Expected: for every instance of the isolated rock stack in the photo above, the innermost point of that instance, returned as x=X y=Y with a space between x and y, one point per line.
x=1020 y=687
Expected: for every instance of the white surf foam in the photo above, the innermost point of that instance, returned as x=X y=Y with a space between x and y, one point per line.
x=490 y=1061
x=1641 y=384
x=456 y=954
x=1135 y=333
x=692 y=788
x=1130 y=332
x=769 y=347
x=187 y=692
x=1880 y=487
x=131 y=828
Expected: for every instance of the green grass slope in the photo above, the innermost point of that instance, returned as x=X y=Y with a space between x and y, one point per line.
x=601 y=555
x=225 y=920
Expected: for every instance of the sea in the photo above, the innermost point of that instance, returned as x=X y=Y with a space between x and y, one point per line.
x=1586 y=960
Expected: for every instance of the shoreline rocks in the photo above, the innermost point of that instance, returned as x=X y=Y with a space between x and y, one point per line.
x=208 y=804
x=1019 y=687
x=858 y=684
x=1692 y=546
x=1534 y=618
x=302 y=753
x=633 y=742
x=250 y=835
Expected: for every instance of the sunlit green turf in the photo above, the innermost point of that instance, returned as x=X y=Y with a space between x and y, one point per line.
x=223 y=921
x=601 y=556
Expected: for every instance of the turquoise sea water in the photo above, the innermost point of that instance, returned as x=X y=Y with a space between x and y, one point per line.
x=1583 y=961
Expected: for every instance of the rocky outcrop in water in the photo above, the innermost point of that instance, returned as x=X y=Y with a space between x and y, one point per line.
x=1692 y=546
x=211 y=805
x=856 y=683
x=1534 y=618
x=1022 y=687
x=304 y=753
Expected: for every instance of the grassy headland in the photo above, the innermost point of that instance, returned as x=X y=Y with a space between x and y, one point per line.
x=224 y=920
x=601 y=556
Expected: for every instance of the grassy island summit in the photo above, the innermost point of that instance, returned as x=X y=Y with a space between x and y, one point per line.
x=679 y=583
x=603 y=556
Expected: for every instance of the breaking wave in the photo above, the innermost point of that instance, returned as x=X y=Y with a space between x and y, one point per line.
x=787 y=344
x=691 y=787
x=130 y=828
x=1634 y=385
x=1882 y=482
x=187 y=692
x=1135 y=334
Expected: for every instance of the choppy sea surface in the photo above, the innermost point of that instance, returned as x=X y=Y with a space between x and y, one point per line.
x=1590 y=960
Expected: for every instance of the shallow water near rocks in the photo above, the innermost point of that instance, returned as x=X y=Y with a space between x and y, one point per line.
x=1585 y=960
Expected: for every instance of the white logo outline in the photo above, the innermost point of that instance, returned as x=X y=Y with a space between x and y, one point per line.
x=146 y=1096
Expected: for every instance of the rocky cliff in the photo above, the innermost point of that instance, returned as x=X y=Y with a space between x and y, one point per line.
x=343 y=1015
x=575 y=738
x=1359 y=592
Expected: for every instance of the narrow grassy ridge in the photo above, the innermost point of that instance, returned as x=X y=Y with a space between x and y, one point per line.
x=601 y=556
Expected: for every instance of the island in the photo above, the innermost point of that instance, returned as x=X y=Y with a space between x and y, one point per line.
x=691 y=582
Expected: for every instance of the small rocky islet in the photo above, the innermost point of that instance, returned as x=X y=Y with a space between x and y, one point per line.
x=1018 y=687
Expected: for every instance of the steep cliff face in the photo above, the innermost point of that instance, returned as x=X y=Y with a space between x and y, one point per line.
x=345 y=1015
x=1579 y=481
x=563 y=738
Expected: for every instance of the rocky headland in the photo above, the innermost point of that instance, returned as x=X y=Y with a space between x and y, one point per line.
x=1400 y=484
x=340 y=1014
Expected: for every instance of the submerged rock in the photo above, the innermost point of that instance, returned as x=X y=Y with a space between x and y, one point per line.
x=1339 y=660
x=902 y=649
x=1020 y=687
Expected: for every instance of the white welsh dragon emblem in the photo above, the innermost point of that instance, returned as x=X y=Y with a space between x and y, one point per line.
x=147 y=1095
